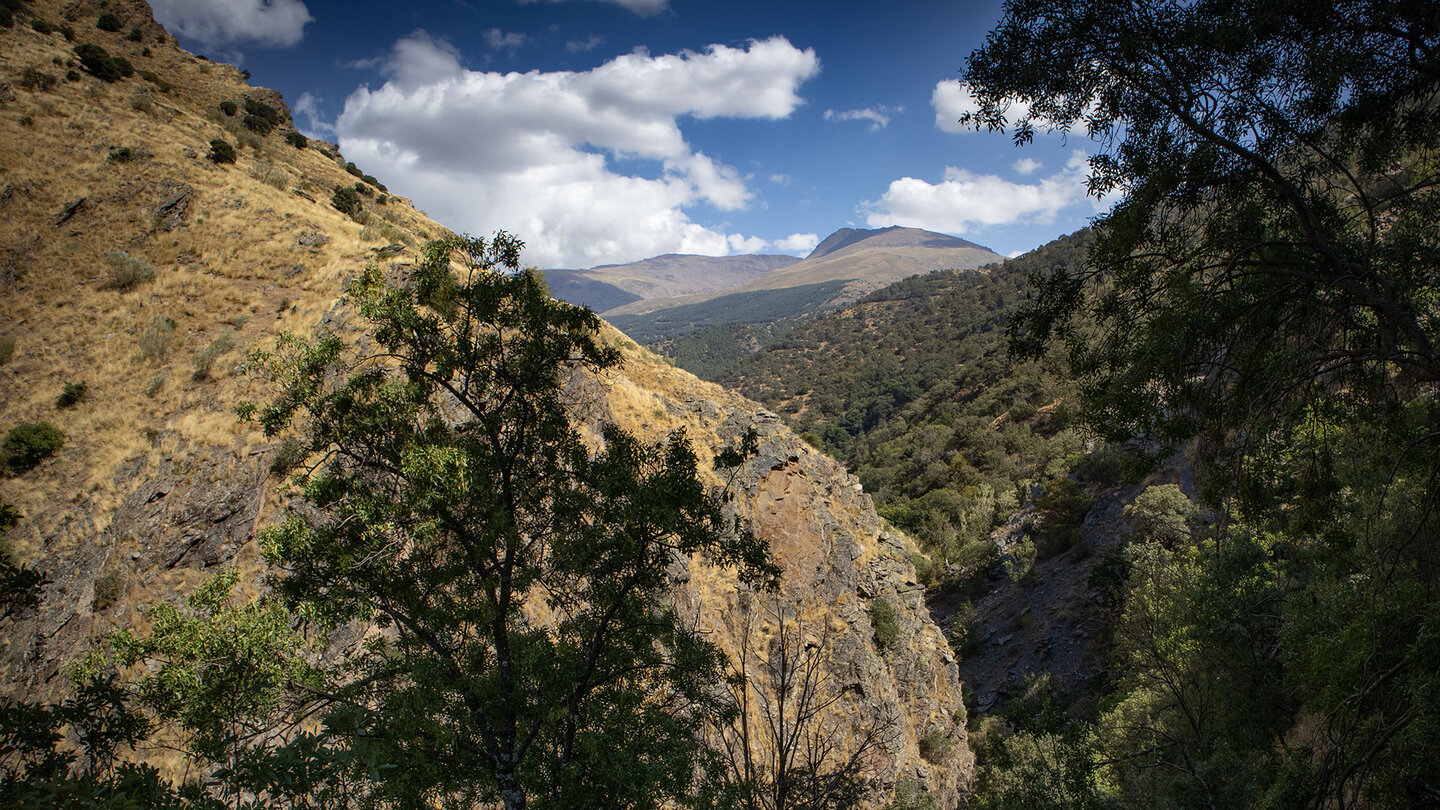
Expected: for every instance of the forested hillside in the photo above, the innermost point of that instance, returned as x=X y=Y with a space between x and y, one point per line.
x=915 y=389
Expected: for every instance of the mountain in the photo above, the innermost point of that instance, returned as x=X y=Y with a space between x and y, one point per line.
x=672 y=274
x=135 y=273
x=707 y=332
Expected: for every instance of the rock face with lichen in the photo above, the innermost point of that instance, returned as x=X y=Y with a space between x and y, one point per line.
x=158 y=484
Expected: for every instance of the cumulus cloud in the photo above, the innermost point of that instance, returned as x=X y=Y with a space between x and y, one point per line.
x=1027 y=166
x=952 y=99
x=223 y=23
x=498 y=40
x=645 y=8
x=964 y=201
x=536 y=153
x=878 y=117
x=798 y=243
x=308 y=106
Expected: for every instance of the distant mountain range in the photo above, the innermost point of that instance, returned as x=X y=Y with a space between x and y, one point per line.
x=613 y=285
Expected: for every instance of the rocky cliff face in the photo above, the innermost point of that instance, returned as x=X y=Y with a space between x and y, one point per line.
x=158 y=484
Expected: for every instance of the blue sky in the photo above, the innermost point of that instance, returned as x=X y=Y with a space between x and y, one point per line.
x=611 y=130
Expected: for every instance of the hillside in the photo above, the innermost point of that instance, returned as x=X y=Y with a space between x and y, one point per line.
x=669 y=275
x=137 y=265
x=843 y=268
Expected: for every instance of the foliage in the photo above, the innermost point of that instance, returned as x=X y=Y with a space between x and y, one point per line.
x=7 y=348
x=109 y=22
x=20 y=585
x=28 y=444
x=101 y=64
x=71 y=394
x=228 y=107
x=347 y=201
x=455 y=498
x=1163 y=513
x=221 y=345
x=157 y=338
x=108 y=589
x=221 y=151
x=127 y=272
x=260 y=118
x=296 y=139
x=885 y=621
x=1060 y=515
x=761 y=307
x=909 y=795
x=37 y=80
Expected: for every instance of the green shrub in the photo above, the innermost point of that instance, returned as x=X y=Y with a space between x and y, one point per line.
x=7 y=349
x=140 y=101
x=228 y=107
x=245 y=137
x=372 y=181
x=109 y=22
x=72 y=75
x=221 y=151
x=934 y=746
x=260 y=117
x=156 y=385
x=347 y=201
x=270 y=174
x=127 y=271
x=154 y=78
x=136 y=35
x=353 y=169
x=910 y=795
x=1060 y=515
x=223 y=342
x=296 y=140
x=25 y=446
x=123 y=154
x=37 y=80
x=41 y=26
x=101 y=64
x=71 y=395
x=108 y=589
x=287 y=456
x=67 y=31
x=885 y=621
x=158 y=337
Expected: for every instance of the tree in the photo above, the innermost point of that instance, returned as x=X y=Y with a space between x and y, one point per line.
x=513 y=578
x=781 y=748
x=1273 y=235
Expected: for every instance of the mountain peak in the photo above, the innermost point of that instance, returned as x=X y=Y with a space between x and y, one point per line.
x=893 y=236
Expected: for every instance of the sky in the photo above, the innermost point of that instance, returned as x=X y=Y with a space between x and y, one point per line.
x=607 y=131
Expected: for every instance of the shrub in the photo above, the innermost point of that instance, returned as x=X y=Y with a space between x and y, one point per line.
x=68 y=32
x=108 y=589
x=123 y=154
x=885 y=621
x=228 y=107
x=101 y=64
x=260 y=117
x=221 y=151
x=140 y=101
x=136 y=35
x=353 y=169
x=36 y=79
x=127 y=271
x=361 y=188
x=26 y=445
x=109 y=22
x=245 y=137
x=158 y=337
x=154 y=78
x=72 y=75
x=156 y=384
x=71 y=395
x=1060 y=514
x=41 y=26
x=347 y=201
x=7 y=18
x=296 y=140
x=287 y=456
x=270 y=174
x=223 y=342
x=7 y=349
x=934 y=746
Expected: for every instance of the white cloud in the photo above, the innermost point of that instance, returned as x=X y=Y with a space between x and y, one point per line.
x=535 y=153
x=742 y=244
x=799 y=243
x=498 y=40
x=965 y=202
x=589 y=44
x=1027 y=166
x=878 y=116
x=780 y=179
x=952 y=99
x=221 y=23
x=645 y=8
x=308 y=105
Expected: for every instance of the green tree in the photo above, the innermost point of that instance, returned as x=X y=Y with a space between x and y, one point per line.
x=1274 y=230
x=526 y=647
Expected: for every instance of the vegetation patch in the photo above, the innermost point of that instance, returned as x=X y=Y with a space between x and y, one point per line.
x=71 y=395
x=102 y=65
x=221 y=151
x=127 y=272
x=28 y=444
